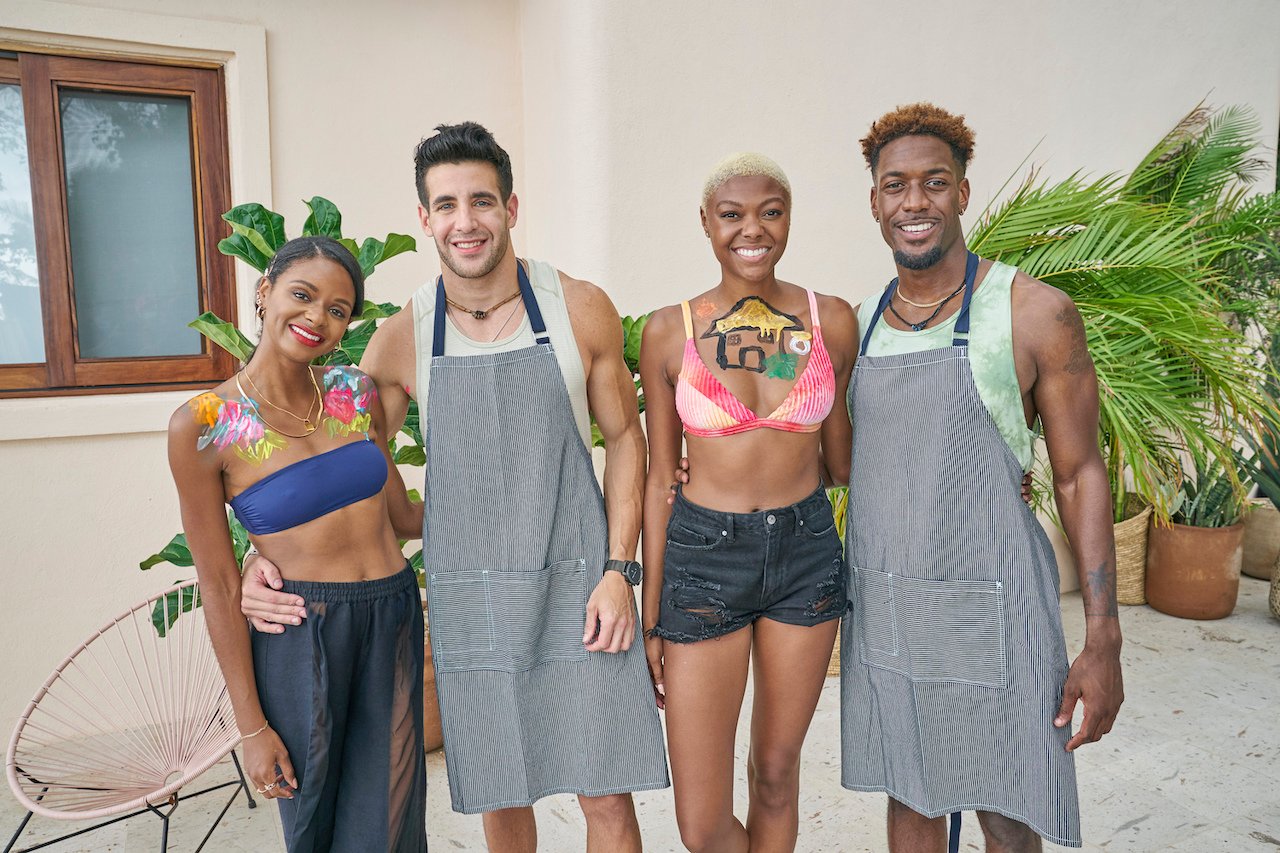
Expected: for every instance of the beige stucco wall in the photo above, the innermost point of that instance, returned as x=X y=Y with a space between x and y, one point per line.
x=613 y=112
x=348 y=90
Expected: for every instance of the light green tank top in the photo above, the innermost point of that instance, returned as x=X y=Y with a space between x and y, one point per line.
x=990 y=353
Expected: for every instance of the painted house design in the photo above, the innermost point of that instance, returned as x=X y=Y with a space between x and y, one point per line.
x=751 y=314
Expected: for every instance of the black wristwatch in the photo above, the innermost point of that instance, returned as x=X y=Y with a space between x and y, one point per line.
x=629 y=569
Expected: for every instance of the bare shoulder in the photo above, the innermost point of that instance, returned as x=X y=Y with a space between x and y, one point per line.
x=1046 y=319
x=594 y=320
x=583 y=296
x=191 y=425
x=836 y=313
x=390 y=354
x=663 y=325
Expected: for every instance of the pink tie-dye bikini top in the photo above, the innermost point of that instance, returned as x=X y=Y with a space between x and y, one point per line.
x=708 y=409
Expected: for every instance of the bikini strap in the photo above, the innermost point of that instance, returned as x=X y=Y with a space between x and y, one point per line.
x=688 y=320
x=813 y=308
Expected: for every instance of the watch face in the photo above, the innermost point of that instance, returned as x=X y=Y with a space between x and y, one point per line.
x=629 y=569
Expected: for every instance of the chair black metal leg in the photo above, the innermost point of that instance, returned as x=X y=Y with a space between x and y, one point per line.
x=14 y=839
x=244 y=783
x=164 y=834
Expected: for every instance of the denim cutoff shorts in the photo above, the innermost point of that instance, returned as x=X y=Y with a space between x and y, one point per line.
x=724 y=570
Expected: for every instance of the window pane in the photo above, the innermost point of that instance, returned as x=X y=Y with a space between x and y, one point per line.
x=131 y=215
x=21 y=329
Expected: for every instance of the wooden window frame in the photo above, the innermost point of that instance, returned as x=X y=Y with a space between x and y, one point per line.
x=64 y=372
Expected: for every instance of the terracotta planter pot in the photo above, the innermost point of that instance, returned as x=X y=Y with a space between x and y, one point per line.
x=432 y=734
x=1194 y=572
x=1261 y=539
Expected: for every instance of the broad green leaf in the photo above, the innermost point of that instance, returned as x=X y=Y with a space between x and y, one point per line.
x=369 y=255
x=413 y=495
x=324 y=219
x=171 y=605
x=350 y=246
x=176 y=552
x=632 y=331
x=239 y=246
x=239 y=538
x=411 y=454
x=378 y=310
x=223 y=334
x=396 y=244
x=412 y=423
x=263 y=228
x=356 y=339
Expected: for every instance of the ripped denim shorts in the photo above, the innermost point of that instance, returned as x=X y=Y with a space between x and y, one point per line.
x=724 y=570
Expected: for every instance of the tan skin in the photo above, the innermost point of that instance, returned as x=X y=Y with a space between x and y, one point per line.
x=470 y=225
x=354 y=543
x=918 y=182
x=701 y=684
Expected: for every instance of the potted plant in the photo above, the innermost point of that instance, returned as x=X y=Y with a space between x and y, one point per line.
x=1193 y=562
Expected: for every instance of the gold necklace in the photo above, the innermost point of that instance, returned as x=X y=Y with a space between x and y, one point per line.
x=903 y=297
x=478 y=313
x=307 y=424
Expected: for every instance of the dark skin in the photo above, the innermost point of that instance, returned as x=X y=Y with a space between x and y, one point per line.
x=357 y=542
x=701 y=684
x=919 y=195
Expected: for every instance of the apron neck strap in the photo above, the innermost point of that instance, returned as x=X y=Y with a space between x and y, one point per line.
x=530 y=307
x=962 y=319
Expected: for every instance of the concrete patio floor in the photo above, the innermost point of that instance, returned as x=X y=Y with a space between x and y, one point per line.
x=1193 y=763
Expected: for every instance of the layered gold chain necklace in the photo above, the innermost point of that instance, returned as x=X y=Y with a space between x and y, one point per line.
x=307 y=424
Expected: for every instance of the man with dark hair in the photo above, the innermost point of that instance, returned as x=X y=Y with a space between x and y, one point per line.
x=542 y=677
x=956 y=692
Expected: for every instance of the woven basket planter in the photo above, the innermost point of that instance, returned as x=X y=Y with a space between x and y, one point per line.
x=1274 y=599
x=1131 y=558
x=833 y=666
x=1261 y=539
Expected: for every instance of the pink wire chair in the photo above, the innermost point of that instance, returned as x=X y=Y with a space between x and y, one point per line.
x=132 y=716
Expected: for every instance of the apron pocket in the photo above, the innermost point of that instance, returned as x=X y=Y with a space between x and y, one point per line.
x=932 y=630
x=873 y=598
x=508 y=621
x=539 y=616
x=461 y=621
x=953 y=630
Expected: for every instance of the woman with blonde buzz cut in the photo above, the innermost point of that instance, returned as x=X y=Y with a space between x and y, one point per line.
x=745 y=565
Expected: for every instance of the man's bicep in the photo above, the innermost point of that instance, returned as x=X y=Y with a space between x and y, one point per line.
x=390 y=362
x=1066 y=393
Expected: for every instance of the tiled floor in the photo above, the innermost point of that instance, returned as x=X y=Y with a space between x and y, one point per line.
x=1192 y=765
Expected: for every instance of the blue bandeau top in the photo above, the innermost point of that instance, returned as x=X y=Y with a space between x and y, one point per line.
x=312 y=487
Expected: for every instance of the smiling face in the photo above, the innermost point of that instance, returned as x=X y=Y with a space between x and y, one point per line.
x=918 y=197
x=748 y=219
x=308 y=307
x=466 y=217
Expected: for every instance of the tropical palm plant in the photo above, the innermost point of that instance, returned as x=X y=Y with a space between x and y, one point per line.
x=1147 y=261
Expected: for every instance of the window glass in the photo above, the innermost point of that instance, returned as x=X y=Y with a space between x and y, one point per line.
x=21 y=326
x=132 y=223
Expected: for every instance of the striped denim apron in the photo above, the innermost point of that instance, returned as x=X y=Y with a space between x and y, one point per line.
x=953 y=649
x=514 y=541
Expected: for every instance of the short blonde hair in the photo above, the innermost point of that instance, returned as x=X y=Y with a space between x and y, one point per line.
x=743 y=165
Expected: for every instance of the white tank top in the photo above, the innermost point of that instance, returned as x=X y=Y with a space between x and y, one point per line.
x=545 y=280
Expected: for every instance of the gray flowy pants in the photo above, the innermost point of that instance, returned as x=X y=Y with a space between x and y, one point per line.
x=344 y=692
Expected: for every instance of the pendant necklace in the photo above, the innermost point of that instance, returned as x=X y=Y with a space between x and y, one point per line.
x=307 y=424
x=480 y=313
x=941 y=303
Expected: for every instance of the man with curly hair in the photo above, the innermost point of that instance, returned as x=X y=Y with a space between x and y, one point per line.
x=956 y=691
